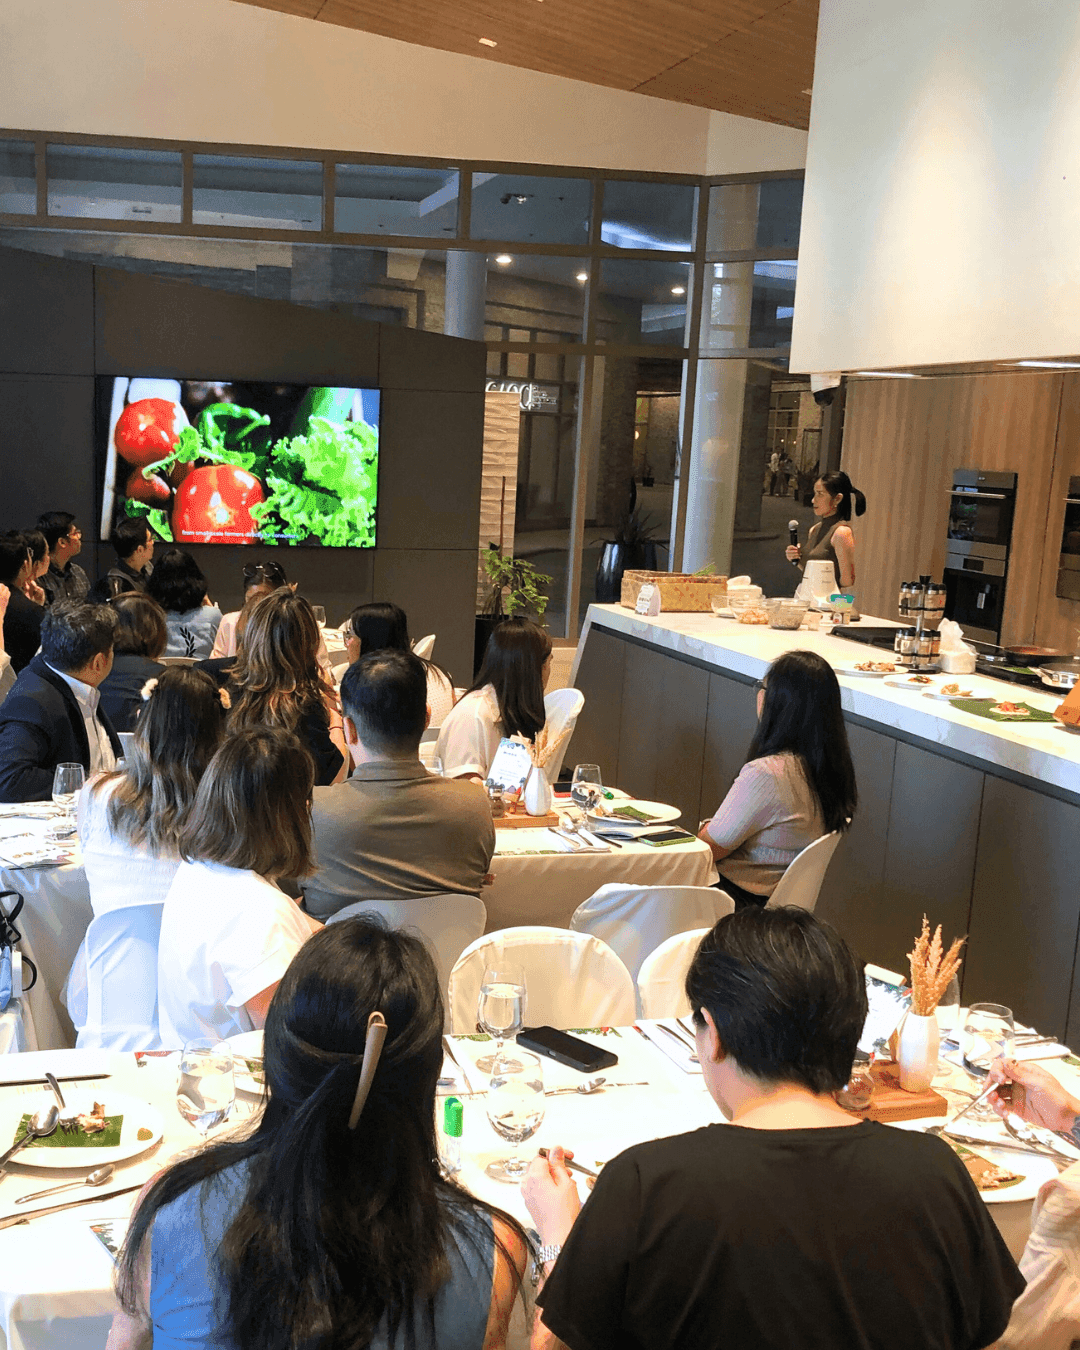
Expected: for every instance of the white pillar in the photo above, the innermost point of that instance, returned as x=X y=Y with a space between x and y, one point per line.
x=466 y=291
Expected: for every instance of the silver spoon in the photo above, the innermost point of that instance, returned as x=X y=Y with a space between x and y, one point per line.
x=41 y=1124
x=98 y=1177
x=590 y=1085
x=68 y=1114
x=1027 y=1135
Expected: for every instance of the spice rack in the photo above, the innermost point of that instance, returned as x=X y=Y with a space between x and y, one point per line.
x=922 y=601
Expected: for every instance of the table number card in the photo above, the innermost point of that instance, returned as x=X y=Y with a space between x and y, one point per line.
x=648 y=600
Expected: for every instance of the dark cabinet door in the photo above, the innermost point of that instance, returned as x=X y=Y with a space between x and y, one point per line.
x=600 y=679
x=680 y=739
x=729 y=729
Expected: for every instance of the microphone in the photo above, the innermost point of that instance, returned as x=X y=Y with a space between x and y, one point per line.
x=793 y=535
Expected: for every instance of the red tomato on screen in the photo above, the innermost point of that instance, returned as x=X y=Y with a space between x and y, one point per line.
x=148 y=430
x=213 y=505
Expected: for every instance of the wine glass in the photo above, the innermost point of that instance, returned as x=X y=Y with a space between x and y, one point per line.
x=988 y=1035
x=68 y=781
x=205 y=1091
x=500 y=1011
x=436 y=765
x=586 y=787
x=515 y=1108
x=320 y=615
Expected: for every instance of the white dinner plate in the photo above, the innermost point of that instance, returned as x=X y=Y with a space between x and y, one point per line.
x=966 y=691
x=660 y=815
x=909 y=682
x=246 y=1045
x=138 y=1115
x=863 y=674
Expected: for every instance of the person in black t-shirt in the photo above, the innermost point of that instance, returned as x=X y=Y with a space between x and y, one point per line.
x=797 y=1225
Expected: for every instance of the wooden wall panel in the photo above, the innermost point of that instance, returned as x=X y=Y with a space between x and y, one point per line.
x=1059 y=620
x=902 y=440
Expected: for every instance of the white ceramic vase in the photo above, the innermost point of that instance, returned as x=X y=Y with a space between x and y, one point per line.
x=917 y=1053
x=537 y=792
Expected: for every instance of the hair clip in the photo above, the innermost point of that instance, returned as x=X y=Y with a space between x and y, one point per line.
x=373 y=1044
x=148 y=688
x=226 y=701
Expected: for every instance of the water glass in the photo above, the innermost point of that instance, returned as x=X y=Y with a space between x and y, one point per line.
x=515 y=1108
x=988 y=1034
x=205 y=1091
x=436 y=765
x=68 y=781
x=586 y=787
x=320 y=615
x=500 y=1011
x=948 y=1018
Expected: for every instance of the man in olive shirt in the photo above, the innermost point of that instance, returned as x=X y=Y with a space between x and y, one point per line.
x=394 y=831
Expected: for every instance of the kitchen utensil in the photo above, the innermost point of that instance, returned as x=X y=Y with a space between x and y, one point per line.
x=679 y=1040
x=15 y=1219
x=590 y=1086
x=1035 y=656
x=98 y=1177
x=64 y=1078
x=68 y=1116
x=573 y=1166
x=974 y=1140
x=1027 y=1134
x=41 y=1124
x=971 y=1104
x=1060 y=674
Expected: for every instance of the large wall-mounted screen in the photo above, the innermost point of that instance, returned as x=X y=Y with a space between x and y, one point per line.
x=241 y=461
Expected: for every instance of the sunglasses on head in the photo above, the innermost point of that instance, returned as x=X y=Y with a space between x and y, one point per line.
x=266 y=571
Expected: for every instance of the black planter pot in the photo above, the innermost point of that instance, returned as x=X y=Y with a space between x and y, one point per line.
x=614 y=561
x=484 y=626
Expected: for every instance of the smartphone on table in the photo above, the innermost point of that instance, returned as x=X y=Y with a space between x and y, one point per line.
x=566 y=1049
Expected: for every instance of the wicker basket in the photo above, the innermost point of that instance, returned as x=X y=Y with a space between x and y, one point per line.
x=679 y=591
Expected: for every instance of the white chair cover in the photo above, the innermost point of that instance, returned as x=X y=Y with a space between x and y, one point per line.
x=117 y=1009
x=634 y=920
x=801 y=883
x=447 y=923
x=423 y=647
x=562 y=707
x=571 y=979
x=663 y=973
x=179 y=660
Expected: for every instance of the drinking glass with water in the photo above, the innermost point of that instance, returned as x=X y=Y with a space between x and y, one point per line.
x=68 y=781
x=500 y=1012
x=515 y=1109
x=206 y=1091
x=586 y=787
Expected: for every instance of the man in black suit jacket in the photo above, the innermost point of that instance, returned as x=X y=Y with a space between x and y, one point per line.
x=51 y=716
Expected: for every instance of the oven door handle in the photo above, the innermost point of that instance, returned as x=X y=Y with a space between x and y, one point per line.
x=970 y=496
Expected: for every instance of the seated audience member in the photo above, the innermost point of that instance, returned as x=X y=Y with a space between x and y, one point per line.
x=277 y=682
x=797 y=1224
x=64 y=579
x=383 y=627
x=7 y=670
x=52 y=715
x=393 y=831
x=331 y=1222
x=259 y=579
x=1046 y=1316
x=133 y=542
x=39 y=556
x=129 y=820
x=22 y=621
x=228 y=932
x=506 y=699
x=192 y=618
x=140 y=640
x=797 y=784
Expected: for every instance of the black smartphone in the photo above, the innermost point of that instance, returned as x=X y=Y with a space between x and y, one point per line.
x=566 y=1049
x=660 y=837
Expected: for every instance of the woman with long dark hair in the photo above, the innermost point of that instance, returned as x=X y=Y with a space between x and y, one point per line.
x=330 y=1224
x=276 y=681
x=382 y=626
x=141 y=635
x=178 y=585
x=830 y=536
x=797 y=784
x=506 y=699
x=261 y=578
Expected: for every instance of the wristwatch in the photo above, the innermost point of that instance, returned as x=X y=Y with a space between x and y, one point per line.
x=542 y=1257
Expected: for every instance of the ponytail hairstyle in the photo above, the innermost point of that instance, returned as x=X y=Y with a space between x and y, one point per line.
x=839 y=482
x=337 y=1230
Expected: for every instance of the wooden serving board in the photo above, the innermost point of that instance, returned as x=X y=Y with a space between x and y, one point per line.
x=891 y=1102
x=526 y=822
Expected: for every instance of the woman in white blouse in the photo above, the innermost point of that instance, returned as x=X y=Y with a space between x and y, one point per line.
x=228 y=932
x=507 y=699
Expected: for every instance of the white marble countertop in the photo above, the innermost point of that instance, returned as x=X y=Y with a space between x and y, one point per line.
x=1044 y=751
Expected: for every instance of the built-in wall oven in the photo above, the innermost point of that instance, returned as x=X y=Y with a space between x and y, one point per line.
x=981 y=506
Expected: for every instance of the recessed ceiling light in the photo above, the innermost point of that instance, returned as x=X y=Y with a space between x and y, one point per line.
x=488 y=42
x=504 y=259
x=1050 y=365
x=678 y=290
x=582 y=276
x=886 y=374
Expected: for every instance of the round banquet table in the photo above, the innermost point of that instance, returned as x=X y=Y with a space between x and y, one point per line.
x=56 y=1277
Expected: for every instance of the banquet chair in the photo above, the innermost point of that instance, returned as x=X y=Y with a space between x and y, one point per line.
x=423 y=647
x=447 y=923
x=562 y=708
x=178 y=660
x=571 y=979
x=663 y=973
x=118 y=1009
x=634 y=920
x=801 y=883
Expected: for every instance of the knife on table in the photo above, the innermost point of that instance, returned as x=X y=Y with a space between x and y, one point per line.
x=15 y=1219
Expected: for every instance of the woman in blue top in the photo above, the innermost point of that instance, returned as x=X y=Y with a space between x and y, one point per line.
x=330 y=1225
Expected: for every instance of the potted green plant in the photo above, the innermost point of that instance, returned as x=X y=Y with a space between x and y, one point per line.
x=632 y=545
x=516 y=587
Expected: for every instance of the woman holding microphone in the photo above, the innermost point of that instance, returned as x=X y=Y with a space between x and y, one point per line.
x=830 y=538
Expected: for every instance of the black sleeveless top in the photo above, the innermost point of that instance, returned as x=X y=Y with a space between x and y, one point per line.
x=821 y=545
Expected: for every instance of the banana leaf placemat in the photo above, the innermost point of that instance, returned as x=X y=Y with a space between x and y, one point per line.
x=109 y=1137
x=982 y=707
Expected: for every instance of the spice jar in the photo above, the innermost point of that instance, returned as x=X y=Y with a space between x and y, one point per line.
x=935 y=596
x=497 y=800
x=910 y=599
x=905 y=645
x=929 y=643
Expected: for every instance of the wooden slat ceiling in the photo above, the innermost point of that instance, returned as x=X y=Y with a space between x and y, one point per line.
x=754 y=58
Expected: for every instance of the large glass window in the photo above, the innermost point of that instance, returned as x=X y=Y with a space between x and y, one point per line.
x=649 y=215
x=531 y=209
x=105 y=183
x=18 y=182
x=395 y=199
x=641 y=301
x=749 y=305
x=754 y=217
x=535 y=297
x=257 y=193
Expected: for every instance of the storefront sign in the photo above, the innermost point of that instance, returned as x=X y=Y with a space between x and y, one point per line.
x=532 y=397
